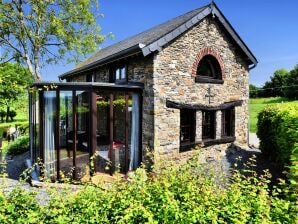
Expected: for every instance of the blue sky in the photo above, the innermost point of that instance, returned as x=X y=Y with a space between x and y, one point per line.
x=268 y=27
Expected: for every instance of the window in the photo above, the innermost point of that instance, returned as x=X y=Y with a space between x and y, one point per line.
x=187 y=126
x=208 y=125
x=118 y=74
x=90 y=78
x=209 y=70
x=228 y=123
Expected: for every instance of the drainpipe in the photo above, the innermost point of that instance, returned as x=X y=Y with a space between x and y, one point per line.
x=249 y=68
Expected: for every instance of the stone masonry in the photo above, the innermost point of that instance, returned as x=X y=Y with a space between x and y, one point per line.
x=169 y=75
x=174 y=80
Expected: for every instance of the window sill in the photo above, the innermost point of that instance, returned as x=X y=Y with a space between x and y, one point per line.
x=187 y=146
x=227 y=139
x=200 y=79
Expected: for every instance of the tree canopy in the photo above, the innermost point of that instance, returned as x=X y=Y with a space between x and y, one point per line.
x=36 y=32
x=14 y=81
x=283 y=83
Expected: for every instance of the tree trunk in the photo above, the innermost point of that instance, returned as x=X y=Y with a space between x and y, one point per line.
x=7 y=113
x=35 y=72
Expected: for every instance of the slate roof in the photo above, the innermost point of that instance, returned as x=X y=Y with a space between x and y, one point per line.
x=155 y=38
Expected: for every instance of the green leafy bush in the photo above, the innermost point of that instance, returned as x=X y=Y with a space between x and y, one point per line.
x=18 y=146
x=173 y=194
x=12 y=114
x=278 y=133
x=2 y=115
x=277 y=130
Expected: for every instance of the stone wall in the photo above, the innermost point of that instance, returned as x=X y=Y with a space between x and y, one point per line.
x=174 y=80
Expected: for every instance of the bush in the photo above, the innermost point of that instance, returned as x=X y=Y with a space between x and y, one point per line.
x=2 y=115
x=176 y=194
x=277 y=130
x=12 y=114
x=19 y=146
x=278 y=133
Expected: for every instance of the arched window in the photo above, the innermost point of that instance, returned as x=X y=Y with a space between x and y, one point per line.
x=209 y=70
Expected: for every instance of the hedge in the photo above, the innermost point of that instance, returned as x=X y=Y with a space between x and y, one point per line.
x=278 y=134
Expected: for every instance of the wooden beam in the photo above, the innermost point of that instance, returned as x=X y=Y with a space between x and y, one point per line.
x=74 y=136
x=111 y=134
x=177 y=105
x=57 y=132
x=93 y=127
x=126 y=132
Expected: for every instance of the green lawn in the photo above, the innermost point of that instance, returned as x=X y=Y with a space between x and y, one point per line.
x=256 y=105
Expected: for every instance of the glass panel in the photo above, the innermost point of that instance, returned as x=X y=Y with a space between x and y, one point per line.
x=49 y=133
x=123 y=73
x=134 y=147
x=102 y=131
x=66 y=133
x=82 y=152
x=34 y=126
x=119 y=104
x=117 y=74
x=208 y=125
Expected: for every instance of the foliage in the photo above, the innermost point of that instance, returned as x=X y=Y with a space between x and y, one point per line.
x=173 y=194
x=277 y=130
x=292 y=82
x=18 y=146
x=12 y=114
x=253 y=91
x=258 y=104
x=39 y=32
x=2 y=115
x=283 y=83
x=14 y=81
x=22 y=126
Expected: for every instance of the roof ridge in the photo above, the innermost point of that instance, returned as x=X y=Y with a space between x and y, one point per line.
x=96 y=54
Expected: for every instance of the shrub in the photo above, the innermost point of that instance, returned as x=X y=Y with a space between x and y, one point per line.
x=278 y=133
x=176 y=194
x=12 y=114
x=2 y=115
x=277 y=130
x=19 y=146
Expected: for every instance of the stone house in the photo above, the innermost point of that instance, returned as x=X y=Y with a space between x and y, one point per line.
x=191 y=76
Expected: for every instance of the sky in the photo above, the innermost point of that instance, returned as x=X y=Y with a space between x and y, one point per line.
x=268 y=27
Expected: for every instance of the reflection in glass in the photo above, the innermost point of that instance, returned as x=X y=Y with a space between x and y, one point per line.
x=49 y=133
x=82 y=151
x=66 y=133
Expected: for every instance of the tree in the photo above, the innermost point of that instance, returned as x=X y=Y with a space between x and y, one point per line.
x=14 y=81
x=37 y=32
x=275 y=87
x=253 y=91
x=291 y=89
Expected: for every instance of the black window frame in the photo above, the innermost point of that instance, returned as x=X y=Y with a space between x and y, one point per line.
x=123 y=76
x=187 y=125
x=208 y=126
x=228 y=123
x=211 y=64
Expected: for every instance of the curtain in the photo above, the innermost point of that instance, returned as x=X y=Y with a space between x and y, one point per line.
x=135 y=128
x=49 y=132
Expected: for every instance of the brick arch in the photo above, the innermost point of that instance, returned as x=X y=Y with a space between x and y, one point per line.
x=207 y=51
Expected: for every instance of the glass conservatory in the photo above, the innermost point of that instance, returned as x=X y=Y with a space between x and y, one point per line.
x=75 y=125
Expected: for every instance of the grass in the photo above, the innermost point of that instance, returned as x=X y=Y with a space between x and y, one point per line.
x=257 y=104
